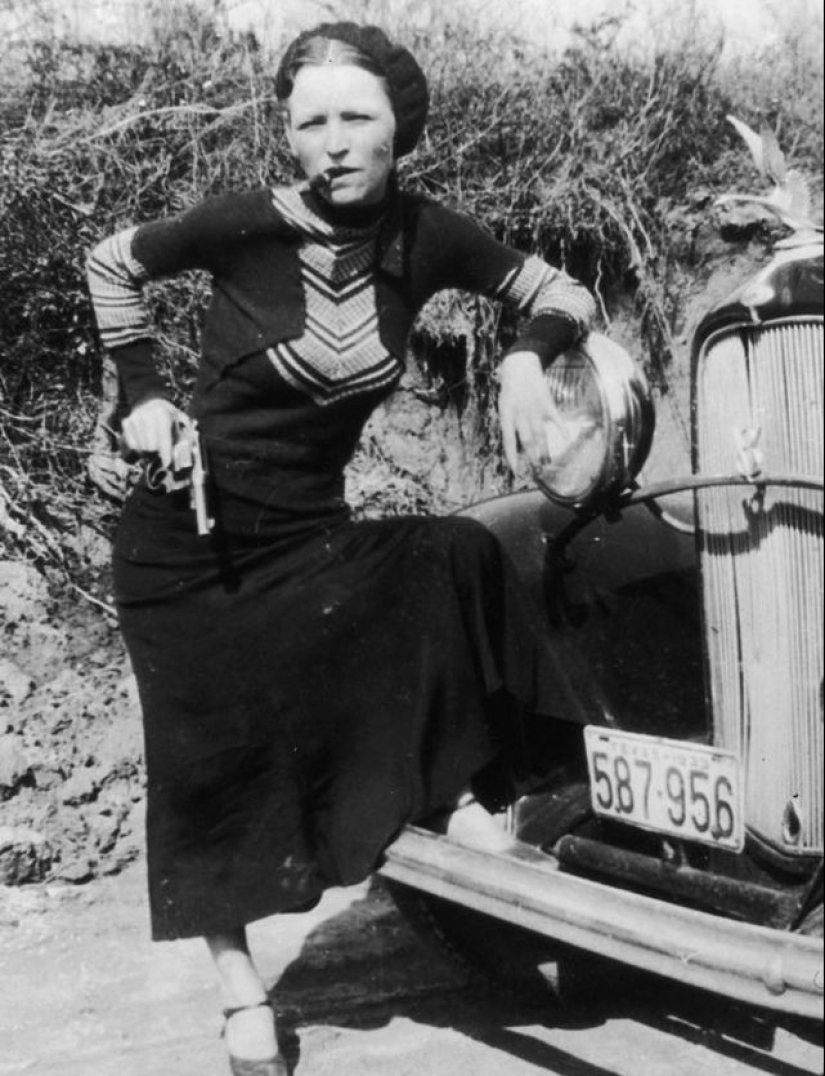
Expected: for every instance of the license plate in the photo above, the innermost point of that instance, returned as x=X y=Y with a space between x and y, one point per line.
x=686 y=790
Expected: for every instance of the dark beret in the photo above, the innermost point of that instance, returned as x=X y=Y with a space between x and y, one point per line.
x=407 y=84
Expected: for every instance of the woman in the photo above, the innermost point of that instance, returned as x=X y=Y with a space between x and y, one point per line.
x=311 y=683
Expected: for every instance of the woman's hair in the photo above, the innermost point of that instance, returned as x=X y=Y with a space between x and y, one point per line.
x=369 y=48
x=319 y=50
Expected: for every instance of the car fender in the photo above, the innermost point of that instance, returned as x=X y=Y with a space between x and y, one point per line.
x=617 y=601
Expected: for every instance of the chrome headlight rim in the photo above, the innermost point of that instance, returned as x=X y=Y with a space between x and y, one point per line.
x=628 y=421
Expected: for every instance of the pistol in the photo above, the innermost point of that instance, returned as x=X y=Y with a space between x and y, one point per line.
x=188 y=470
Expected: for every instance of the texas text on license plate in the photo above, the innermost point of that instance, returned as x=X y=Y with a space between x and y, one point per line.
x=687 y=790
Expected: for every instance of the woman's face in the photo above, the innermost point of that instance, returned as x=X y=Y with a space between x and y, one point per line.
x=341 y=126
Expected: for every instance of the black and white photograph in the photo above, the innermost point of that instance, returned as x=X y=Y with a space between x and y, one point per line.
x=412 y=459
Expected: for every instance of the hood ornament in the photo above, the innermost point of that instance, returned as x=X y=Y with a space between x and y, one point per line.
x=749 y=456
x=789 y=201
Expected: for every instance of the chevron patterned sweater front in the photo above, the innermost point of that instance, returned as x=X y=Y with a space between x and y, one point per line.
x=340 y=353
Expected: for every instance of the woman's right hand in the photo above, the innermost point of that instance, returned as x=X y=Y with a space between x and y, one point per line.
x=153 y=426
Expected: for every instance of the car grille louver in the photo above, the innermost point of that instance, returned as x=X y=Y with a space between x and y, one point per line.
x=759 y=406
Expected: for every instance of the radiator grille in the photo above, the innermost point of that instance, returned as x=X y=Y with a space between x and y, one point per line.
x=763 y=571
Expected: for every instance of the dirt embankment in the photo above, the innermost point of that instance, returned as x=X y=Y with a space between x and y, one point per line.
x=70 y=737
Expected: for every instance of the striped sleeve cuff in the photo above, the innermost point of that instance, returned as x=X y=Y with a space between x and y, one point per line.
x=560 y=309
x=115 y=281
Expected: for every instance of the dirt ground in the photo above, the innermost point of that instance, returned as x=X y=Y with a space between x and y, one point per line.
x=84 y=993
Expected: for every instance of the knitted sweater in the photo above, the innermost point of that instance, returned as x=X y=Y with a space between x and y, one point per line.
x=308 y=320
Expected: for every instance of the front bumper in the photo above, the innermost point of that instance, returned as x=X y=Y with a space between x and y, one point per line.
x=758 y=965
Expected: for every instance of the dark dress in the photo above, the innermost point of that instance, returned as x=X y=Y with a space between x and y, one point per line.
x=309 y=682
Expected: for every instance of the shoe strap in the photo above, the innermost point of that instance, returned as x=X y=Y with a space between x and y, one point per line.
x=229 y=1013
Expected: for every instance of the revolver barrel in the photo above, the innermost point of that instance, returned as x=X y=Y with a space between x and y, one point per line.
x=198 y=488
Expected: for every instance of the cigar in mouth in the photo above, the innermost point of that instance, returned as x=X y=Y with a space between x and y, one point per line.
x=319 y=180
x=325 y=178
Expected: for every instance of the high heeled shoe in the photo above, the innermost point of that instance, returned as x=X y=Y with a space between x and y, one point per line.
x=242 y=1066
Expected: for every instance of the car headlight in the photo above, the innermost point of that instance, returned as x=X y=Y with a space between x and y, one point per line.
x=600 y=434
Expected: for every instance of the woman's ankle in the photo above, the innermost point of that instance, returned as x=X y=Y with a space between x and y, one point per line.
x=240 y=982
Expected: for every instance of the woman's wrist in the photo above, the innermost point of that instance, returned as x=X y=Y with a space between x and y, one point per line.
x=547 y=336
x=138 y=372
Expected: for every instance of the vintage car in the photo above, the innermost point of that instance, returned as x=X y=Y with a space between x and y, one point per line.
x=681 y=830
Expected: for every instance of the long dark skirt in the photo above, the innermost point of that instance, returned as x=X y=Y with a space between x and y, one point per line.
x=306 y=695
